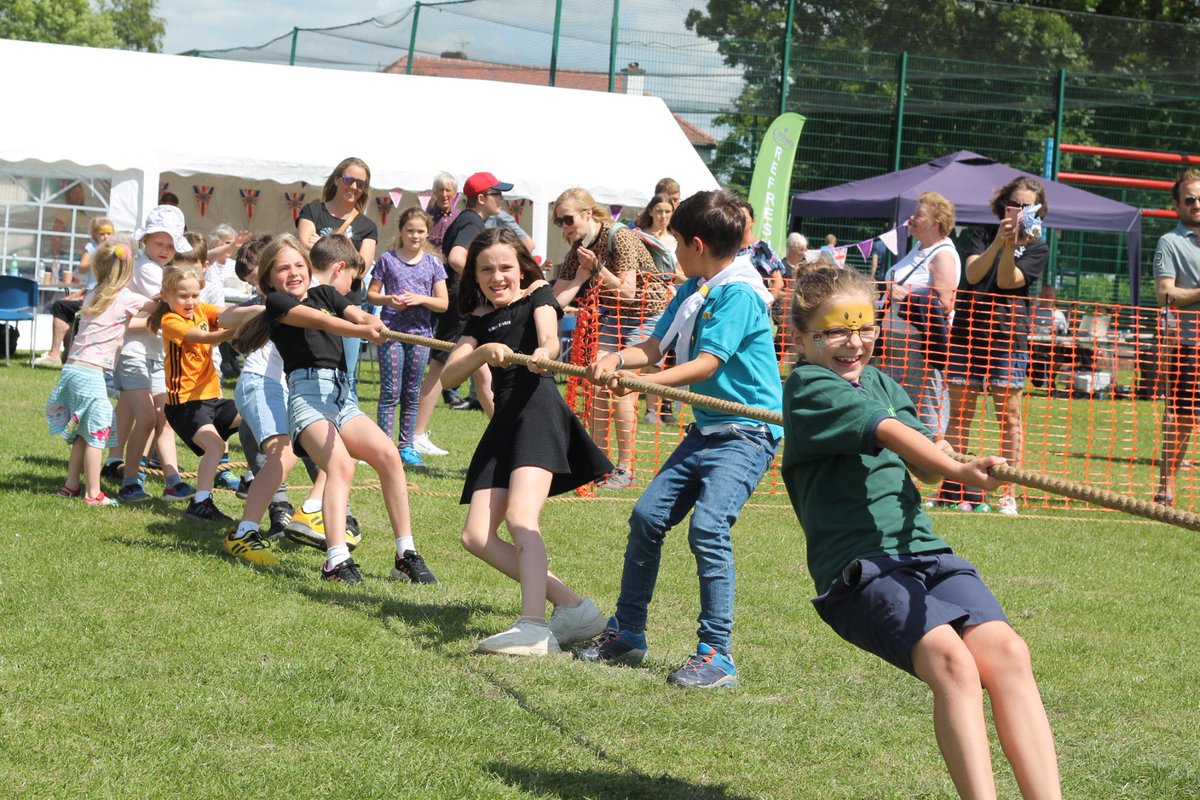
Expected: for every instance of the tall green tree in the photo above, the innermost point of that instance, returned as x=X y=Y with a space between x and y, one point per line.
x=126 y=24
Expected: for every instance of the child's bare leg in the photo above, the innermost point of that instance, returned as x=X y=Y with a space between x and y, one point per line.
x=317 y=492
x=213 y=445
x=92 y=458
x=75 y=465
x=140 y=405
x=1021 y=723
x=164 y=440
x=323 y=444
x=279 y=463
x=124 y=415
x=942 y=660
x=601 y=417
x=365 y=440
x=528 y=488
x=487 y=510
x=625 y=411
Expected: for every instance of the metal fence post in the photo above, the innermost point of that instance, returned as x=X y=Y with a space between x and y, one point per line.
x=412 y=39
x=901 y=90
x=1060 y=102
x=785 y=71
x=612 y=45
x=554 y=44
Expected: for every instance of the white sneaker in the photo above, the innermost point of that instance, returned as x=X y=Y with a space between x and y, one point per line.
x=1007 y=505
x=425 y=447
x=524 y=638
x=48 y=360
x=580 y=624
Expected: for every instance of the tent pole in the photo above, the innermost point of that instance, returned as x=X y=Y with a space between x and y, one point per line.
x=554 y=44
x=898 y=128
x=412 y=39
x=292 y=57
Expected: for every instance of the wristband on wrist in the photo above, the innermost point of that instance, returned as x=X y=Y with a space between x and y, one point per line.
x=620 y=362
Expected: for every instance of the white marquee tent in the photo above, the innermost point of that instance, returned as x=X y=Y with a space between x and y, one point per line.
x=257 y=127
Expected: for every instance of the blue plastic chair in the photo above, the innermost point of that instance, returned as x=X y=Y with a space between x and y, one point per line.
x=18 y=301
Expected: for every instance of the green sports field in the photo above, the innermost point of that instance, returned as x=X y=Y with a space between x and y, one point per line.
x=137 y=662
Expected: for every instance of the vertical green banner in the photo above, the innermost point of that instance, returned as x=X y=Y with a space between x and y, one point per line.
x=770 y=187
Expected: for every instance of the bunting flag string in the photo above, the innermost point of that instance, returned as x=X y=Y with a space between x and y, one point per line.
x=864 y=248
x=383 y=204
x=249 y=200
x=295 y=202
x=204 y=196
x=888 y=238
x=423 y=199
x=397 y=197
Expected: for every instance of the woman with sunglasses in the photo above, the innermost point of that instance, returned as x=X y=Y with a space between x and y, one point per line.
x=620 y=297
x=340 y=210
x=989 y=338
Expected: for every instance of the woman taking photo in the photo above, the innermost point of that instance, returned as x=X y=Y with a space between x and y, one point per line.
x=928 y=274
x=611 y=271
x=340 y=210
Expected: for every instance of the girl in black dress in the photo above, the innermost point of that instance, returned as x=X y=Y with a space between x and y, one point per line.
x=533 y=447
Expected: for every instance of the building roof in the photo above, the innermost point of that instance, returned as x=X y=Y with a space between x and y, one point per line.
x=457 y=66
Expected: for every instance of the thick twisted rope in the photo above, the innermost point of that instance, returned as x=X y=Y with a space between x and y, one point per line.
x=1027 y=478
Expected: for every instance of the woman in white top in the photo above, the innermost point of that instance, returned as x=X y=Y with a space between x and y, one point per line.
x=935 y=264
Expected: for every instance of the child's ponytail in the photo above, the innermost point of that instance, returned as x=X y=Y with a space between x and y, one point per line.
x=112 y=264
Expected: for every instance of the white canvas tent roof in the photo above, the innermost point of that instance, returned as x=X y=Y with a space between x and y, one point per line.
x=290 y=124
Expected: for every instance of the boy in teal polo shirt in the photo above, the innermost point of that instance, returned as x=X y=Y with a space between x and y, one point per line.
x=720 y=328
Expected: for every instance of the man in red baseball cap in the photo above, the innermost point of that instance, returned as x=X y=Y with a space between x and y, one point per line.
x=483 y=194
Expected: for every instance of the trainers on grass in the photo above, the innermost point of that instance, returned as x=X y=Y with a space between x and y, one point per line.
x=307 y=529
x=615 y=646
x=353 y=532
x=227 y=480
x=705 y=669
x=345 y=572
x=524 y=638
x=243 y=488
x=1007 y=505
x=619 y=478
x=580 y=624
x=180 y=491
x=248 y=547
x=132 y=493
x=410 y=457
x=424 y=446
x=280 y=514
x=412 y=568
x=113 y=470
x=206 y=510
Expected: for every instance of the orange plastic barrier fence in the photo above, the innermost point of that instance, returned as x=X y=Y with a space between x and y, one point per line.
x=1078 y=390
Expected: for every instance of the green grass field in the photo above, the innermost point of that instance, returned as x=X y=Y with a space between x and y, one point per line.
x=137 y=662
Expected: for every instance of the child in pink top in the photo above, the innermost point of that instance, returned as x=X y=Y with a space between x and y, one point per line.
x=78 y=409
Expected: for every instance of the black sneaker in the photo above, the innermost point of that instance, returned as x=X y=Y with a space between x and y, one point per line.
x=206 y=510
x=243 y=487
x=113 y=470
x=411 y=567
x=345 y=572
x=280 y=514
x=352 y=526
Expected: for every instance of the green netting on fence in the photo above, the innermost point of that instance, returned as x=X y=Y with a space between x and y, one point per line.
x=884 y=85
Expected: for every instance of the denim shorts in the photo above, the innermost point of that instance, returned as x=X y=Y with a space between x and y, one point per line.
x=263 y=404
x=999 y=370
x=615 y=332
x=319 y=394
x=886 y=604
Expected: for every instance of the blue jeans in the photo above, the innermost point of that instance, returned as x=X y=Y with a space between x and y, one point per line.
x=712 y=476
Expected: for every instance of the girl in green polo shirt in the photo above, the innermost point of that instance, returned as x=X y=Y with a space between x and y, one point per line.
x=885 y=581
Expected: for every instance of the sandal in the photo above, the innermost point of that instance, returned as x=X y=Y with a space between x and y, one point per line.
x=100 y=500
x=70 y=493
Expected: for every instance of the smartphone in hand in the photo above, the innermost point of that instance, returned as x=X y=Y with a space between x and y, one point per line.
x=1013 y=214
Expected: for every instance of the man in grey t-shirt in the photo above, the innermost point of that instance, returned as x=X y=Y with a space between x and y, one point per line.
x=1177 y=285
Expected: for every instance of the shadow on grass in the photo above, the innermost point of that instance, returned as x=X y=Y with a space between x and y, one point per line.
x=580 y=784
x=434 y=625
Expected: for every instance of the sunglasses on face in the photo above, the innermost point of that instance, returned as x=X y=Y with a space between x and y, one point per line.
x=836 y=337
x=492 y=193
x=357 y=183
x=564 y=220
x=1191 y=200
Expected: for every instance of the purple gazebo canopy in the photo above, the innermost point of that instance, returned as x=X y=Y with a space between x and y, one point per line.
x=969 y=180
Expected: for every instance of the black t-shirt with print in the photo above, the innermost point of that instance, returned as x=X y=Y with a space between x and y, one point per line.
x=358 y=231
x=307 y=347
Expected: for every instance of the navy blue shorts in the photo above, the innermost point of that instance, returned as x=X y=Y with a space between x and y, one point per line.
x=886 y=604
